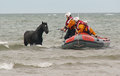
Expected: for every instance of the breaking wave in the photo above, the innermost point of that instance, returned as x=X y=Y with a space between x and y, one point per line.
x=36 y=65
x=6 y=66
x=17 y=46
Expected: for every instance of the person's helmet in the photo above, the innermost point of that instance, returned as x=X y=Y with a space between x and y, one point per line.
x=76 y=18
x=68 y=14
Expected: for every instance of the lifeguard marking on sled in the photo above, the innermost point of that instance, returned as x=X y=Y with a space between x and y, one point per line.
x=87 y=38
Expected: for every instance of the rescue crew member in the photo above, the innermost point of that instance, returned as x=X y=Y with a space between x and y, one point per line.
x=82 y=27
x=69 y=26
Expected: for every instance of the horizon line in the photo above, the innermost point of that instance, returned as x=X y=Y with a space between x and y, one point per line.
x=54 y=12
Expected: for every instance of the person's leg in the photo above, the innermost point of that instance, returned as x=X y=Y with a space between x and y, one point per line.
x=67 y=34
x=72 y=32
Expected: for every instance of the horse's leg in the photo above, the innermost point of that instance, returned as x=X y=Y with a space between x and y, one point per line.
x=40 y=41
x=25 y=42
x=31 y=44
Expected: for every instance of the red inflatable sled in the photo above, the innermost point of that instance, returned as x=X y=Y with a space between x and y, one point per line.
x=85 y=40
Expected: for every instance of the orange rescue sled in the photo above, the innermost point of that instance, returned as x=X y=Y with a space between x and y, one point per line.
x=85 y=40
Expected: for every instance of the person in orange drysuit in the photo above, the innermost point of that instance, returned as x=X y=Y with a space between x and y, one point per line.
x=82 y=27
x=69 y=26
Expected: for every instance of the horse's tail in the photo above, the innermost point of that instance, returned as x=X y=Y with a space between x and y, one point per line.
x=25 y=38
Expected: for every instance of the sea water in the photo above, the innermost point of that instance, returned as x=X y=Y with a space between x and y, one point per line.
x=50 y=59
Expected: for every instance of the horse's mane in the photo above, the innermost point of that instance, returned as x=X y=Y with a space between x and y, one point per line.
x=38 y=28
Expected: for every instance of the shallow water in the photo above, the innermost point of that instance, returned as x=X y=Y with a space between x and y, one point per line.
x=50 y=59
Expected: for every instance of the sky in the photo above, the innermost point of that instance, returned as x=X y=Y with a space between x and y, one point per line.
x=59 y=6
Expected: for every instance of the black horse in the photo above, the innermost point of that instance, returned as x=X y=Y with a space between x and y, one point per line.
x=35 y=37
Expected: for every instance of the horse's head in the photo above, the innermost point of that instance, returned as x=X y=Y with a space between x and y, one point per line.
x=45 y=27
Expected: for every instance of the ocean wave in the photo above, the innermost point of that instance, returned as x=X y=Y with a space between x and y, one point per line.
x=106 y=57
x=10 y=66
x=36 y=65
x=17 y=46
x=10 y=47
x=85 y=63
x=69 y=57
x=6 y=66
x=85 y=57
x=4 y=44
x=71 y=63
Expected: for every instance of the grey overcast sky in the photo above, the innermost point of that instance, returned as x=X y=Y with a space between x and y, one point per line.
x=59 y=6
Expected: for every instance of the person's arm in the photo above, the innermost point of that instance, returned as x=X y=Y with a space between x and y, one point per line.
x=64 y=28
x=92 y=32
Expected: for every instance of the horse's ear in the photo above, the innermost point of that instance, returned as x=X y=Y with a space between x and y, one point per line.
x=42 y=22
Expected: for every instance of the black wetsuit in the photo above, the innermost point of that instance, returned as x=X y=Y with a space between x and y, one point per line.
x=70 y=33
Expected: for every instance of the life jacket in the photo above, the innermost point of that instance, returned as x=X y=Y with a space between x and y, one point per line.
x=71 y=25
x=68 y=20
x=80 y=22
x=86 y=26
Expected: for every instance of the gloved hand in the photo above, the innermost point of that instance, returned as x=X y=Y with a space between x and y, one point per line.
x=62 y=29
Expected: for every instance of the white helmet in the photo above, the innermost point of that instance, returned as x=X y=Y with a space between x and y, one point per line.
x=68 y=14
x=76 y=18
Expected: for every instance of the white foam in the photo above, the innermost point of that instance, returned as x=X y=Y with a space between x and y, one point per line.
x=34 y=45
x=5 y=44
x=41 y=65
x=6 y=66
x=1 y=43
x=44 y=65
x=39 y=45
